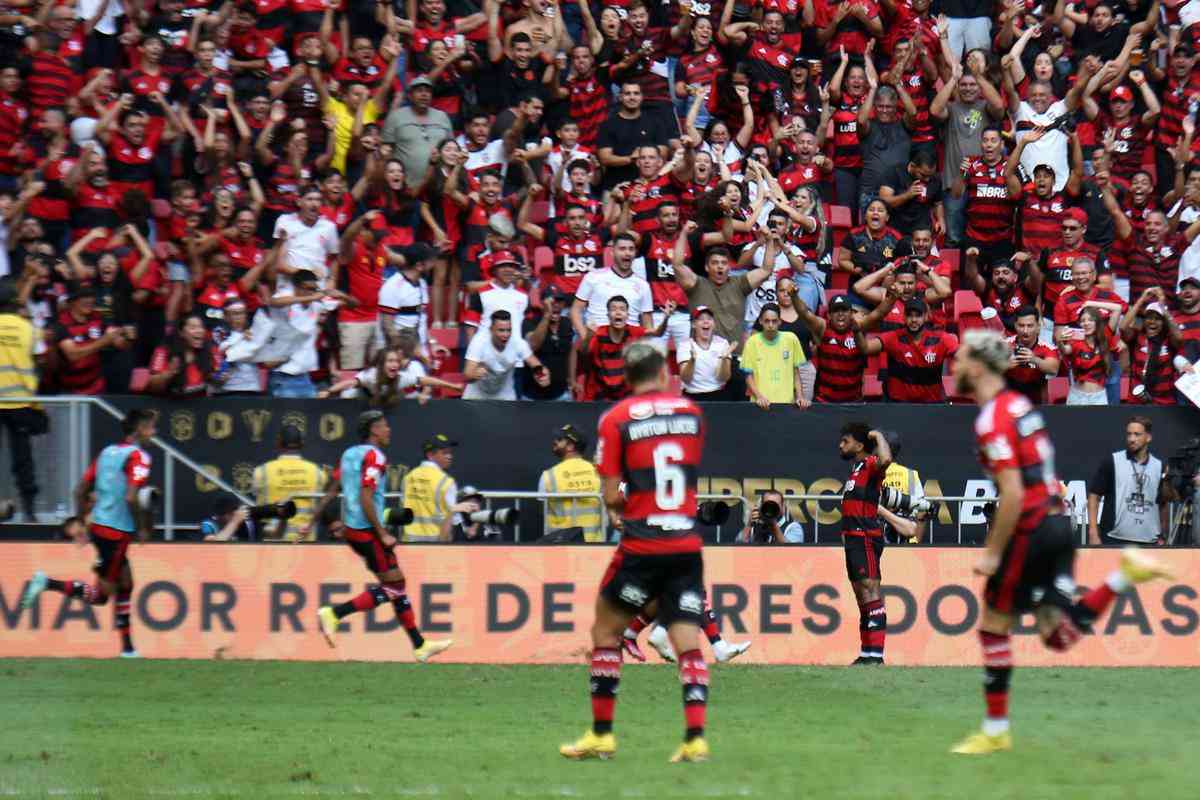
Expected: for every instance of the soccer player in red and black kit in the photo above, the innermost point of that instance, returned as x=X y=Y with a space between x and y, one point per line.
x=651 y=442
x=116 y=480
x=862 y=532
x=1029 y=552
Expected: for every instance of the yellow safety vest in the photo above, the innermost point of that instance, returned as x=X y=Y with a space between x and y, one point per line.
x=901 y=478
x=18 y=375
x=425 y=493
x=281 y=480
x=574 y=476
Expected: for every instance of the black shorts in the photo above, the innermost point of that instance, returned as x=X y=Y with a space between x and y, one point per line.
x=379 y=559
x=862 y=557
x=111 y=556
x=1036 y=569
x=676 y=580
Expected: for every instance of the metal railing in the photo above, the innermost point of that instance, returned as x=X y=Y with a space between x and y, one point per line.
x=78 y=456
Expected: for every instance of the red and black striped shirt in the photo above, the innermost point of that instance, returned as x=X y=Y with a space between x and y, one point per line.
x=84 y=375
x=847 y=149
x=52 y=80
x=654 y=442
x=1189 y=324
x=14 y=114
x=1151 y=265
x=915 y=365
x=1175 y=99
x=588 y=105
x=860 y=500
x=1056 y=271
x=989 y=209
x=648 y=196
x=1041 y=220
x=94 y=208
x=1129 y=147
x=1087 y=362
x=574 y=258
x=1159 y=377
x=840 y=368
x=606 y=367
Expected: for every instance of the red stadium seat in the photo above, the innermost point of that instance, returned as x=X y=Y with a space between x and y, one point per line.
x=966 y=311
x=452 y=377
x=446 y=337
x=839 y=279
x=1057 y=390
x=839 y=217
x=543 y=260
x=138 y=380
x=872 y=388
x=952 y=395
x=1126 y=390
x=953 y=258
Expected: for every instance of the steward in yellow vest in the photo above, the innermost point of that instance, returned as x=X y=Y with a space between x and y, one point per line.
x=285 y=477
x=432 y=494
x=18 y=378
x=573 y=474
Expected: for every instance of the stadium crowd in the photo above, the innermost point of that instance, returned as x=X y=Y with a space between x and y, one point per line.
x=805 y=200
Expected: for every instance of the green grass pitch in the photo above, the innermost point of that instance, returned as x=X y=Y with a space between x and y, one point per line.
x=161 y=729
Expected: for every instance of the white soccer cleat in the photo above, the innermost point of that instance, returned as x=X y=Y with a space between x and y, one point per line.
x=37 y=585
x=661 y=642
x=728 y=651
x=130 y=654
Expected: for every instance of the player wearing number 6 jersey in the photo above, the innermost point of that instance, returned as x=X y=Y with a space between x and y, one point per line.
x=1029 y=553
x=651 y=442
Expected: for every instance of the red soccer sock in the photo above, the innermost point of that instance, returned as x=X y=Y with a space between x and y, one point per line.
x=605 y=676
x=1098 y=600
x=693 y=674
x=711 y=630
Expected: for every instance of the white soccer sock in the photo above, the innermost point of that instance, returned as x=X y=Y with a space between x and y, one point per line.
x=1117 y=581
x=995 y=727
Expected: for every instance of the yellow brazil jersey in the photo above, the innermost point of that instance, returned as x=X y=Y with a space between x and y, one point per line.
x=18 y=374
x=774 y=364
x=284 y=478
x=574 y=475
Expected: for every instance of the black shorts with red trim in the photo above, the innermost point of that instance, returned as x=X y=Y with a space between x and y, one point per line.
x=862 y=556
x=676 y=580
x=1036 y=569
x=379 y=559
x=112 y=548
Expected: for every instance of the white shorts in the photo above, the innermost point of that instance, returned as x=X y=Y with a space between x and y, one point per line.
x=679 y=328
x=1077 y=397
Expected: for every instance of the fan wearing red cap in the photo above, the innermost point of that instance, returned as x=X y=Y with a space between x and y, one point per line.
x=500 y=293
x=1129 y=133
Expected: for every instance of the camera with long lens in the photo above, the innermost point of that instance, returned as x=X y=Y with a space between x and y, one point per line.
x=713 y=512
x=1064 y=123
x=769 y=514
x=1183 y=466
x=273 y=511
x=495 y=516
x=397 y=517
x=904 y=504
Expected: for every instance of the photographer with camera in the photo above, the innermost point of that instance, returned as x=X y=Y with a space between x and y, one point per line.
x=572 y=474
x=432 y=495
x=771 y=523
x=481 y=525
x=902 y=504
x=1131 y=483
x=230 y=522
x=288 y=475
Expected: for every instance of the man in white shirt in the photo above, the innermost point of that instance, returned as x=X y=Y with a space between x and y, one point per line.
x=404 y=297
x=310 y=240
x=300 y=307
x=590 y=309
x=1040 y=110
x=492 y=357
x=501 y=293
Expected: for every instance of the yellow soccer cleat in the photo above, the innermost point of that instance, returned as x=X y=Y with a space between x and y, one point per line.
x=696 y=750
x=591 y=745
x=431 y=648
x=979 y=744
x=1138 y=567
x=327 y=621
